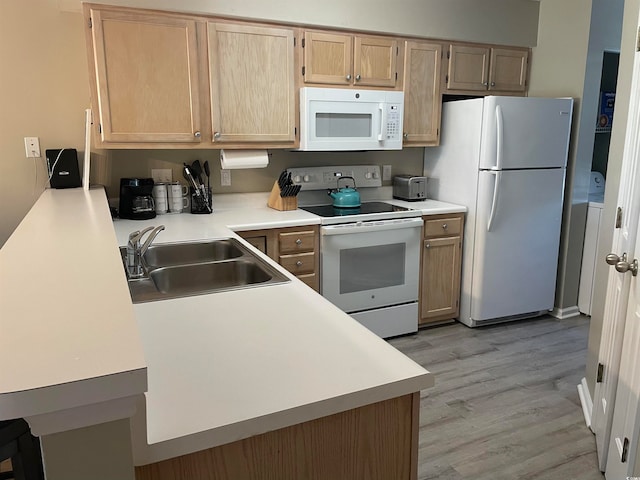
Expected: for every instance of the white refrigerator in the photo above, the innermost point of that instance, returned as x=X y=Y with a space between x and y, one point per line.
x=505 y=159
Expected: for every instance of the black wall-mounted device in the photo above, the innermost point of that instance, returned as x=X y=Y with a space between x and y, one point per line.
x=62 y=165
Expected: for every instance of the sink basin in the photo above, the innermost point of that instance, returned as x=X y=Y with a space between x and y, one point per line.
x=205 y=277
x=166 y=255
x=175 y=270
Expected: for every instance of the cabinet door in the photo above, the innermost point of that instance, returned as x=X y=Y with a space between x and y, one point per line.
x=422 y=96
x=328 y=58
x=508 y=69
x=468 y=68
x=440 y=290
x=375 y=61
x=147 y=77
x=252 y=83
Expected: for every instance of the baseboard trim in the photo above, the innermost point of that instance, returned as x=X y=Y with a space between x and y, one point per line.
x=585 y=401
x=563 y=313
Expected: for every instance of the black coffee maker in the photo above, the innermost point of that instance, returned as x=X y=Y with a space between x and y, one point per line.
x=136 y=199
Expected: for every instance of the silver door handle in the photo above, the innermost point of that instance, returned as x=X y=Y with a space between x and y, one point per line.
x=348 y=77
x=613 y=259
x=299 y=263
x=624 y=267
x=298 y=241
x=358 y=77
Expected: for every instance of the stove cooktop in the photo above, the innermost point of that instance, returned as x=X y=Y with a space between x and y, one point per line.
x=366 y=211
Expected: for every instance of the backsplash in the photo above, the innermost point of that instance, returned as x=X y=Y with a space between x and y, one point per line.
x=138 y=163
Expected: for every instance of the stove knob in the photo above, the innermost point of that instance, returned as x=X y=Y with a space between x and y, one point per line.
x=306 y=178
x=368 y=175
x=376 y=175
x=296 y=179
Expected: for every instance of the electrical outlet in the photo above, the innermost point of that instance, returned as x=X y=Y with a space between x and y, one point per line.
x=162 y=175
x=386 y=172
x=32 y=147
x=225 y=178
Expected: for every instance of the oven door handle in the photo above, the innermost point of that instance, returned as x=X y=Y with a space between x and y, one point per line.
x=368 y=227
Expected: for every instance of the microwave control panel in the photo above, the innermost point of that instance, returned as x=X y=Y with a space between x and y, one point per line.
x=323 y=178
x=394 y=121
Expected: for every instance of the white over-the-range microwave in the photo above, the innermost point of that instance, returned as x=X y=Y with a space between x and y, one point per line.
x=344 y=119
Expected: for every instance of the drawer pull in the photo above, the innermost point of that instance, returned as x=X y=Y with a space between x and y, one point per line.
x=444 y=226
x=298 y=241
x=299 y=263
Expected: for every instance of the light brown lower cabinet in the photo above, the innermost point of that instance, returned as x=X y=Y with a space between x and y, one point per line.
x=373 y=442
x=295 y=248
x=441 y=267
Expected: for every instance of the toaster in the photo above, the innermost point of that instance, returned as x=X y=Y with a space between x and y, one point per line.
x=409 y=187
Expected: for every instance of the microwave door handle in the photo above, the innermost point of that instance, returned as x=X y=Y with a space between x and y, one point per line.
x=382 y=122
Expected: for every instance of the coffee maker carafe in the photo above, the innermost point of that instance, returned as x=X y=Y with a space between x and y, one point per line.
x=136 y=199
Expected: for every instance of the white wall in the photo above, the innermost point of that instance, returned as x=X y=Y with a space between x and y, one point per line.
x=513 y=22
x=568 y=62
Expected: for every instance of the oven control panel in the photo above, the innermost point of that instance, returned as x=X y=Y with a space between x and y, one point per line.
x=322 y=178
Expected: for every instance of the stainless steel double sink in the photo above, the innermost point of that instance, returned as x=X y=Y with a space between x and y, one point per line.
x=176 y=270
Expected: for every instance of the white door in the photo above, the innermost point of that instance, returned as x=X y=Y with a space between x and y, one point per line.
x=517 y=237
x=618 y=287
x=525 y=132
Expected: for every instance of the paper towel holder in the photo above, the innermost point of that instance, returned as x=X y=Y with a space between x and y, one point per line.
x=243 y=159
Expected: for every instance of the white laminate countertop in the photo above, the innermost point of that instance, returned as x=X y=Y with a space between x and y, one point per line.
x=219 y=367
x=69 y=337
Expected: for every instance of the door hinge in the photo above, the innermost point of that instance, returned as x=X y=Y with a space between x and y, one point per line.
x=302 y=42
x=303 y=70
x=638 y=41
x=294 y=41
x=396 y=75
x=99 y=128
x=446 y=79
x=600 y=373
x=397 y=51
x=448 y=55
x=625 y=450
x=619 y=217
x=90 y=23
x=295 y=131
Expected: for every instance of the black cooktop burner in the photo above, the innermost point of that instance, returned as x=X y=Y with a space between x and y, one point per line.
x=367 y=207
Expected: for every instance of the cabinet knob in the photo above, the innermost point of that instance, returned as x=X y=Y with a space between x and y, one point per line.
x=427 y=245
x=484 y=83
x=299 y=263
x=298 y=241
x=197 y=134
x=358 y=77
x=444 y=226
x=216 y=135
x=493 y=84
x=405 y=135
x=348 y=77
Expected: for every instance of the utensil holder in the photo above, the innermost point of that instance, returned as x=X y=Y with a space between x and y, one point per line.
x=198 y=202
x=281 y=203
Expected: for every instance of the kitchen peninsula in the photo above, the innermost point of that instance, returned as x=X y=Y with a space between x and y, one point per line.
x=268 y=379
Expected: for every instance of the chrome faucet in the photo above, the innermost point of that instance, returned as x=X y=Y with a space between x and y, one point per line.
x=136 y=249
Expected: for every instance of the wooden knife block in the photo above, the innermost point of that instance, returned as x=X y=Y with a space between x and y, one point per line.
x=281 y=203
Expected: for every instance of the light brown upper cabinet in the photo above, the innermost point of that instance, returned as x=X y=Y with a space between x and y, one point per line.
x=145 y=77
x=252 y=82
x=485 y=69
x=422 y=98
x=348 y=60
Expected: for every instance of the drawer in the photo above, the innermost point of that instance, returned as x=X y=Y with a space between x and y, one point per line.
x=443 y=227
x=260 y=242
x=292 y=242
x=311 y=279
x=299 y=263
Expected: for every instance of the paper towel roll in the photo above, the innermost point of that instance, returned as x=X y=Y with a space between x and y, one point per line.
x=234 y=159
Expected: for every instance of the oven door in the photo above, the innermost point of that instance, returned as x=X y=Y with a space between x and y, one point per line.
x=368 y=265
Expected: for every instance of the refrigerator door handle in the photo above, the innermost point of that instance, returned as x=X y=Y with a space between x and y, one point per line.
x=499 y=137
x=494 y=202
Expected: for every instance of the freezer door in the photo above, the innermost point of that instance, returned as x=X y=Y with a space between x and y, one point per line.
x=516 y=242
x=525 y=132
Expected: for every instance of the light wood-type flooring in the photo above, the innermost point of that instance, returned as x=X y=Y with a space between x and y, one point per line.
x=505 y=403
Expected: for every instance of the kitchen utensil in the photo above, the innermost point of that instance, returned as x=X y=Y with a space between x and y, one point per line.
x=198 y=199
x=282 y=179
x=196 y=171
x=186 y=172
x=207 y=171
x=345 y=197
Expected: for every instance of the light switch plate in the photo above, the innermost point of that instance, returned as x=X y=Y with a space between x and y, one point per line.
x=162 y=175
